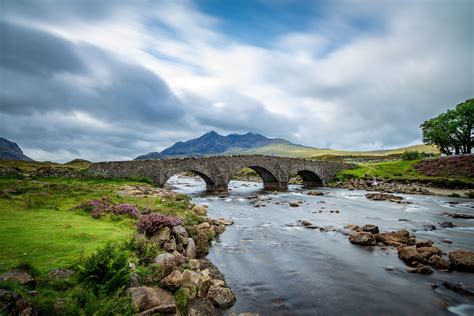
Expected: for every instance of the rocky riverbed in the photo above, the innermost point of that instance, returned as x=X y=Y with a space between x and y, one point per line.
x=290 y=253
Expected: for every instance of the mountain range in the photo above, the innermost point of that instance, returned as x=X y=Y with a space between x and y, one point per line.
x=11 y=151
x=213 y=143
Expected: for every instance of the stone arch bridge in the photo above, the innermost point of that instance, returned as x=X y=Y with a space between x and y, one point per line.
x=218 y=171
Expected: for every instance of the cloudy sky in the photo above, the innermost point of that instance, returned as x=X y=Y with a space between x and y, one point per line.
x=109 y=80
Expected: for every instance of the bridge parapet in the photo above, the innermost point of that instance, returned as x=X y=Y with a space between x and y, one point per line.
x=217 y=171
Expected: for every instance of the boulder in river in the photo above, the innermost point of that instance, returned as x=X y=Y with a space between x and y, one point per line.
x=420 y=270
x=362 y=238
x=370 y=228
x=315 y=193
x=438 y=262
x=458 y=288
x=446 y=224
x=383 y=197
x=460 y=215
x=410 y=255
x=462 y=260
x=398 y=238
x=429 y=227
x=352 y=227
x=424 y=243
x=220 y=296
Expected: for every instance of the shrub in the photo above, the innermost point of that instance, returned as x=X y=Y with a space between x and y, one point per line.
x=411 y=155
x=150 y=224
x=99 y=207
x=106 y=271
x=83 y=301
x=125 y=209
x=96 y=208
x=145 y=251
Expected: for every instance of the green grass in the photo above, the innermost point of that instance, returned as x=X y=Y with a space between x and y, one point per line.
x=29 y=166
x=37 y=225
x=401 y=170
x=296 y=151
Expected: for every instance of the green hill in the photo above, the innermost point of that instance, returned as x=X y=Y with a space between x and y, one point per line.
x=297 y=151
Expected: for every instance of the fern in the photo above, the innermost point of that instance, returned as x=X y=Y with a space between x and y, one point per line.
x=106 y=271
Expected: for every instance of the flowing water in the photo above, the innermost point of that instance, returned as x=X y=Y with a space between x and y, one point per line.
x=275 y=268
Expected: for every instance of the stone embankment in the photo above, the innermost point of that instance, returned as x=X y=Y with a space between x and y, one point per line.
x=184 y=269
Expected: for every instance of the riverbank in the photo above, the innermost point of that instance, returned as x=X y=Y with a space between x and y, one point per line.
x=452 y=177
x=405 y=187
x=112 y=247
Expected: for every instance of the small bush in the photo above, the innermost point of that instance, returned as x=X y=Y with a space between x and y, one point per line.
x=411 y=155
x=150 y=224
x=125 y=209
x=96 y=208
x=144 y=250
x=99 y=207
x=106 y=271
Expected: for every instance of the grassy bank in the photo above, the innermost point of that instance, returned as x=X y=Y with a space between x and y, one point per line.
x=400 y=170
x=88 y=227
x=39 y=227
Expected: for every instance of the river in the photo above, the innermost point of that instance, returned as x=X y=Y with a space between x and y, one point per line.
x=275 y=268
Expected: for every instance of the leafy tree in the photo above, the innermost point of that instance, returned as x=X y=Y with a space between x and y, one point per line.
x=451 y=131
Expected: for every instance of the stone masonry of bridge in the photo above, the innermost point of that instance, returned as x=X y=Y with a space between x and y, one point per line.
x=218 y=171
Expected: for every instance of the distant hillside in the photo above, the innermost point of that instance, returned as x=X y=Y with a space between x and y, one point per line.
x=150 y=156
x=255 y=144
x=297 y=151
x=11 y=151
x=213 y=143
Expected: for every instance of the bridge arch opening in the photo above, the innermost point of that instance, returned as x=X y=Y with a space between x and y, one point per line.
x=210 y=183
x=308 y=178
x=259 y=174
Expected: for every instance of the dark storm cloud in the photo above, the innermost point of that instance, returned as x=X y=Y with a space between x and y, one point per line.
x=44 y=73
x=59 y=96
x=35 y=52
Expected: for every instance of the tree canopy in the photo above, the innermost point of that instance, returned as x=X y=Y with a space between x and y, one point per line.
x=451 y=131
